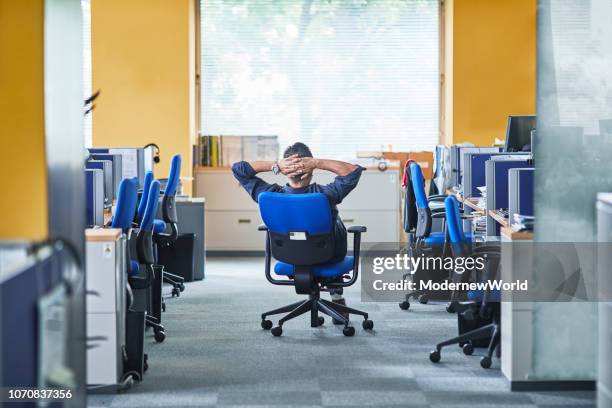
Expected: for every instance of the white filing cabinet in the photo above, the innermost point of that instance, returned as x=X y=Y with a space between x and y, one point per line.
x=232 y=216
x=106 y=305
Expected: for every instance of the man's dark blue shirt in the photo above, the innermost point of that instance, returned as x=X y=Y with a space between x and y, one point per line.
x=334 y=191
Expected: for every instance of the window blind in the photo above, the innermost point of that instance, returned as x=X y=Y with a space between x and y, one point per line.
x=340 y=76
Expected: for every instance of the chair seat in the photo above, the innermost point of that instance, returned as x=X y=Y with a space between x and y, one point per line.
x=477 y=295
x=134 y=267
x=159 y=226
x=334 y=270
x=438 y=238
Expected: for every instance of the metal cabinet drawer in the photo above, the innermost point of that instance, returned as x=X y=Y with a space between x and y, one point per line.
x=102 y=268
x=103 y=353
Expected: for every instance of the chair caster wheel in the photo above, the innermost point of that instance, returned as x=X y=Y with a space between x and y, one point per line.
x=450 y=308
x=160 y=336
x=266 y=324
x=163 y=306
x=176 y=292
x=182 y=287
x=485 y=362
x=277 y=331
x=434 y=356
x=468 y=349
x=423 y=299
x=405 y=305
x=320 y=321
x=348 y=331
x=367 y=325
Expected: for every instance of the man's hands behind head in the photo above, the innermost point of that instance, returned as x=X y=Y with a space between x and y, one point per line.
x=304 y=166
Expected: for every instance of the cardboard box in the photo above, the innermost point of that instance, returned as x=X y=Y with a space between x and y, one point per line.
x=424 y=159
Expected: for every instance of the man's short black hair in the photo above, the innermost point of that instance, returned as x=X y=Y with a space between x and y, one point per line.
x=298 y=148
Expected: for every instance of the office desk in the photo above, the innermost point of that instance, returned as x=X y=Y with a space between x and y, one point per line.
x=510 y=235
x=470 y=202
x=499 y=217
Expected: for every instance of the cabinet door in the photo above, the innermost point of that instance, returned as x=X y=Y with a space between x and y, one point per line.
x=102 y=358
x=383 y=226
x=234 y=230
x=101 y=281
x=222 y=191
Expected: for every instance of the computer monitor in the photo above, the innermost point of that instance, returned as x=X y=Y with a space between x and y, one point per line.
x=133 y=161
x=117 y=168
x=94 y=190
x=107 y=171
x=518 y=133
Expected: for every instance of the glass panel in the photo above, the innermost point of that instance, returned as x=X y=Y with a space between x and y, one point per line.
x=573 y=151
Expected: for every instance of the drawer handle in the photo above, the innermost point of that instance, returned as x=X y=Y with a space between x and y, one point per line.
x=349 y=220
x=244 y=221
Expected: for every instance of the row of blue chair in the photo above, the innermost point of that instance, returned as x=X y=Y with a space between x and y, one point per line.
x=420 y=210
x=144 y=276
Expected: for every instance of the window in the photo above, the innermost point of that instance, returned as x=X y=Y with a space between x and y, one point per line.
x=340 y=76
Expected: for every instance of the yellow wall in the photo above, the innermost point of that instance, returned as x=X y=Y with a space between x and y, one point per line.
x=143 y=63
x=493 y=54
x=22 y=138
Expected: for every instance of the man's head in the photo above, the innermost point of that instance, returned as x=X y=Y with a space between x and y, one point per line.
x=301 y=150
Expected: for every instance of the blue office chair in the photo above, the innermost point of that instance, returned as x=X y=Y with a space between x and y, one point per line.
x=170 y=219
x=142 y=206
x=146 y=254
x=299 y=234
x=419 y=212
x=481 y=305
x=127 y=198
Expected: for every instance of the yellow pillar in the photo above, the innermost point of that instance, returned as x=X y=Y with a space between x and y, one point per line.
x=143 y=63
x=22 y=139
x=491 y=67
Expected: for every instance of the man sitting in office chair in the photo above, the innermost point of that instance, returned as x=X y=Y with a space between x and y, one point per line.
x=298 y=165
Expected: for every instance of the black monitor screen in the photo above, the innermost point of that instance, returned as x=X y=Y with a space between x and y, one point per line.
x=518 y=133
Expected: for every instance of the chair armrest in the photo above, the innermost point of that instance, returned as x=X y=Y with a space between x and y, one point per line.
x=262 y=227
x=357 y=228
x=438 y=215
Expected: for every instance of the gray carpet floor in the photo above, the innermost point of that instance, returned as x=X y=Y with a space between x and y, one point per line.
x=216 y=354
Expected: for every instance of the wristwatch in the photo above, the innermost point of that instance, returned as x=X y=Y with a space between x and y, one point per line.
x=275 y=168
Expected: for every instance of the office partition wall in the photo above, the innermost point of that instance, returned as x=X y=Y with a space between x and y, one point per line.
x=572 y=156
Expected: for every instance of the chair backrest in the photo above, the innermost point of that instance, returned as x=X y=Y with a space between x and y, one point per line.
x=148 y=179
x=423 y=227
x=168 y=202
x=418 y=184
x=453 y=221
x=174 y=176
x=146 y=224
x=144 y=241
x=127 y=198
x=410 y=208
x=300 y=227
